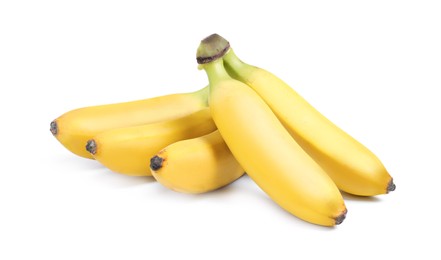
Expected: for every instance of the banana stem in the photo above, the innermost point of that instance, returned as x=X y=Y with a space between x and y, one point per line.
x=212 y=48
x=216 y=71
x=209 y=56
x=215 y=47
x=202 y=94
x=233 y=65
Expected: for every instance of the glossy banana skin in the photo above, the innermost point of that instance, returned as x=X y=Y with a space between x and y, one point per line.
x=74 y=128
x=268 y=153
x=196 y=165
x=352 y=166
x=128 y=150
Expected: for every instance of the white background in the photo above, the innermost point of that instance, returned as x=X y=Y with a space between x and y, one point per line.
x=372 y=67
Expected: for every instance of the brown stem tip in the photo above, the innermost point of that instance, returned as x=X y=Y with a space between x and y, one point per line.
x=339 y=219
x=91 y=146
x=390 y=186
x=54 y=127
x=212 y=48
x=156 y=163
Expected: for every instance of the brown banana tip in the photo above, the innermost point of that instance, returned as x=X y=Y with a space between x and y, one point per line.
x=212 y=48
x=91 y=146
x=54 y=127
x=390 y=186
x=156 y=162
x=339 y=219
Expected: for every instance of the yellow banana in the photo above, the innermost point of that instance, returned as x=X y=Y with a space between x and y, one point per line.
x=352 y=166
x=264 y=148
x=75 y=127
x=197 y=165
x=128 y=150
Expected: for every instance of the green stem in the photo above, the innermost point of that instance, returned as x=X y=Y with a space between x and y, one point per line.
x=216 y=71
x=234 y=65
x=233 y=61
x=202 y=94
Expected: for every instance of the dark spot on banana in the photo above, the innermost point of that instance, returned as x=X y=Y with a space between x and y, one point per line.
x=54 y=127
x=156 y=163
x=390 y=186
x=91 y=146
x=339 y=219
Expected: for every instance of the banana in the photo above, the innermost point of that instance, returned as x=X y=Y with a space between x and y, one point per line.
x=197 y=165
x=127 y=150
x=264 y=148
x=352 y=166
x=74 y=128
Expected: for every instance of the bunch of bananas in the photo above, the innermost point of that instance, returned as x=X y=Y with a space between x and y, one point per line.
x=245 y=120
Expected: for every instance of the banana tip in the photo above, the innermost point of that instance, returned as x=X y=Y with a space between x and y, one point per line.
x=391 y=186
x=339 y=219
x=91 y=146
x=54 y=127
x=156 y=162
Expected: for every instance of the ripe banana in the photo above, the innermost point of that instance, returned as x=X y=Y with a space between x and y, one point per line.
x=264 y=148
x=128 y=150
x=197 y=165
x=75 y=127
x=352 y=166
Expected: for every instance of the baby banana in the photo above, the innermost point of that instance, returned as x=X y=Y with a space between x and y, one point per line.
x=75 y=127
x=127 y=150
x=352 y=166
x=197 y=165
x=264 y=148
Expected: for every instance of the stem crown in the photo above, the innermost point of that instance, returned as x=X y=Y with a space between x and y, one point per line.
x=212 y=48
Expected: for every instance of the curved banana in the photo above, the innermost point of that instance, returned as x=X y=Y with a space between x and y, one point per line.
x=128 y=150
x=353 y=167
x=75 y=127
x=197 y=165
x=264 y=148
